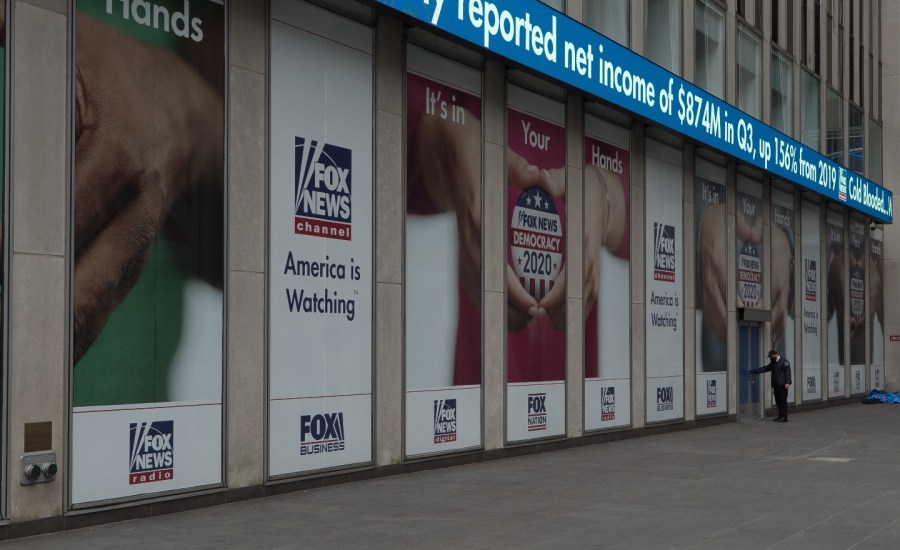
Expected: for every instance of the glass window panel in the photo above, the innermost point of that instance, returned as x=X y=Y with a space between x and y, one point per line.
x=749 y=57
x=782 y=93
x=856 y=146
x=709 y=52
x=559 y=5
x=663 y=32
x=610 y=18
x=834 y=126
x=809 y=110
x=875 y=152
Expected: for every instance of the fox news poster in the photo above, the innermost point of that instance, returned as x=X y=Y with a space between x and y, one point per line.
x=836 y=299
x=876 y=309
x=442 y=278
x=148 y=305
x=607 y=326
x=857 y=307
x=664 y=283
x=536 y=254
x=810 y=242
x=710 y=343
x=320 y=235
x=785 y=262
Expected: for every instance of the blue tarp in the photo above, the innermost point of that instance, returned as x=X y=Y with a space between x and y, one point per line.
x=876 y=396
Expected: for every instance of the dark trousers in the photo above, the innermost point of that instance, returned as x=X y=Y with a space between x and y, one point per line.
x=781 y=400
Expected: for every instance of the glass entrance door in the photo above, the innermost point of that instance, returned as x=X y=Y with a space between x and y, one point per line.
x=750 y=403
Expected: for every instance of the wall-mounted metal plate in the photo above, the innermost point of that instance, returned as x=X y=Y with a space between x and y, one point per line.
x=37 y=468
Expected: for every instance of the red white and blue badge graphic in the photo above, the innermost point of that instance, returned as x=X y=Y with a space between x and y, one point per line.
x=322 y=184
x=152 y=451
x=444 y=420
x=536 y=241
x=750 y=275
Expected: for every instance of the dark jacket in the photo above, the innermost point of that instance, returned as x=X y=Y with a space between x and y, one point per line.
x=781 y=372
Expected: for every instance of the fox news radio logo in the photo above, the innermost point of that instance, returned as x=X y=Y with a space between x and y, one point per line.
x=322 y=199
x=537 y=412
x=444 y=420
x=607 y=404
x=152 y=447
x=711 y=394
x=665 y=400
x=663 y=252
x=321 y=433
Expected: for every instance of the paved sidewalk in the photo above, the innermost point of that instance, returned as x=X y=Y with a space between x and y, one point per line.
x=827 y=479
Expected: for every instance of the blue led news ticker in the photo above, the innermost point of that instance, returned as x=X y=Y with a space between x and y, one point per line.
x=534 y=35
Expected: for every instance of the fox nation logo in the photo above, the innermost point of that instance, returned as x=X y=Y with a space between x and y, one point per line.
x=537 y=412
x=322 y=198
x=711 y=394
x=321 y=433
x=444 y=420
x=607 y=404
x=665 y=399
x=152 y=455
x=663 y=252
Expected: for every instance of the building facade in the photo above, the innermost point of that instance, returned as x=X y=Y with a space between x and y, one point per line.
x=253 y=247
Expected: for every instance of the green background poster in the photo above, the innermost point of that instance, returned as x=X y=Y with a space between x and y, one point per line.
x=156 y=72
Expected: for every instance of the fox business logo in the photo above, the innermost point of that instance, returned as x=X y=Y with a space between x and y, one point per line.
x=537 y=412
x=711 y=394
x=321 y=433
x=811 y=385
x=444 y=420
x=665 y=399
x=663 y=252
x=322 y=198
x=152 y=448
x=607 y=404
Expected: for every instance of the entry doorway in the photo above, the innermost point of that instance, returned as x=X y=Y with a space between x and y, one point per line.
x=750 y=401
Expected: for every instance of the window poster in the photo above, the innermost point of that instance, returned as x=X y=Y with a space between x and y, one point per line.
x=149 y=243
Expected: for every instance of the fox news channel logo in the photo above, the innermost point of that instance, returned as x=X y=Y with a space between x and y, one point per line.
x=811 y=385
x=711 y=394
x=152 y=447
x=321 y=433
x=607 y=404
x=537 y=412
x=811 y=280
x=665 y=399
x=444 y=420
x=663 y=252
x=322 y=198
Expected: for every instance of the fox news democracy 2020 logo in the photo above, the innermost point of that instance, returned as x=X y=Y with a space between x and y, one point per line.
x=152 y=451
x=536 y=241
x=322 y=185
x=444 y=420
